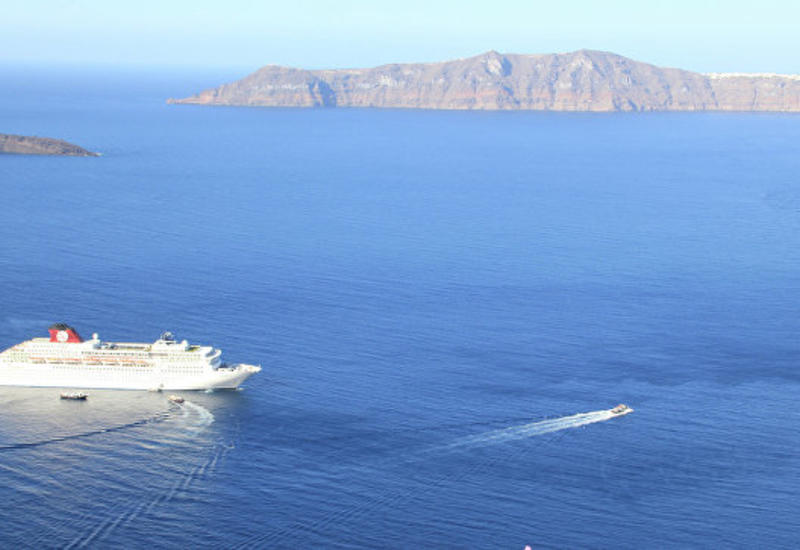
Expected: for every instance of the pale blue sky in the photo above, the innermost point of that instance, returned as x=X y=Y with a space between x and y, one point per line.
x=699 y=35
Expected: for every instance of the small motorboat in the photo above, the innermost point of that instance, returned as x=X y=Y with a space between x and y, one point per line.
x=621 y=409
x=176 y=399
x=75 y=396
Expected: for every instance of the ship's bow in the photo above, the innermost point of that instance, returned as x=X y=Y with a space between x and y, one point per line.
x=232 y=377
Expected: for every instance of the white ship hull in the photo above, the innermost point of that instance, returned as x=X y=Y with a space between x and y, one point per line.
x=122 y=377
x=65 y=360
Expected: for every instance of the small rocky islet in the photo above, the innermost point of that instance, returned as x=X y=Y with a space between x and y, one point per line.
x=33 y=145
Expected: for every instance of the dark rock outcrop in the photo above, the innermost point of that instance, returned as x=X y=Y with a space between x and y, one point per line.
x=578 y=81
x=30 y=145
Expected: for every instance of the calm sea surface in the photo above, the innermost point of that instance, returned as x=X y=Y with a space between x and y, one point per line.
x=423 y=289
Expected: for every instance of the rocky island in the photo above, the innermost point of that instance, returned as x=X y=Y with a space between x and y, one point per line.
x=584 y=80
x=31 y=145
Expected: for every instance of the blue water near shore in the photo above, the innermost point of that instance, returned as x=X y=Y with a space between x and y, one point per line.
x=412 y=282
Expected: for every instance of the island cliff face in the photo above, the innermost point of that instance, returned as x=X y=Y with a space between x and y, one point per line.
x=29 y=145
x=579 y=81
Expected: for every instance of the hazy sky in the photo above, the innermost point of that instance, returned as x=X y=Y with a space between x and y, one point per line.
x=700 y=35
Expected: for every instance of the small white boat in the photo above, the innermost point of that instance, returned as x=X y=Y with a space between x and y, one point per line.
x=176 y=399
x=621 y=409
x=75 y=396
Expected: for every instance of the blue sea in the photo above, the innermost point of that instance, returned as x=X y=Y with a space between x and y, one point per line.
x=432 y=295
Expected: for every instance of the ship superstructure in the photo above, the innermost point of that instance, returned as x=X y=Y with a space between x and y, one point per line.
x=66 y=360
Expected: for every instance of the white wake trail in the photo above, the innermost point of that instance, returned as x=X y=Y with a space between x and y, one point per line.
x=192 y=418
x=276 y=537
x=531 y=430
x=199 y=416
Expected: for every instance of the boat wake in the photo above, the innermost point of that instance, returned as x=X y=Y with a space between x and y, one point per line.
x=278 y=536
x=531 y=429
x=196 y=417
x=154 y=499
x=160 y=417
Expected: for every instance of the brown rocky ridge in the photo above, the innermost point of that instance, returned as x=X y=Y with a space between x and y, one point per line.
x=31 y=145
x=585 y=80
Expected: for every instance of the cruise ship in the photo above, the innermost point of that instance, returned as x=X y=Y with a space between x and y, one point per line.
x=65 y=360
